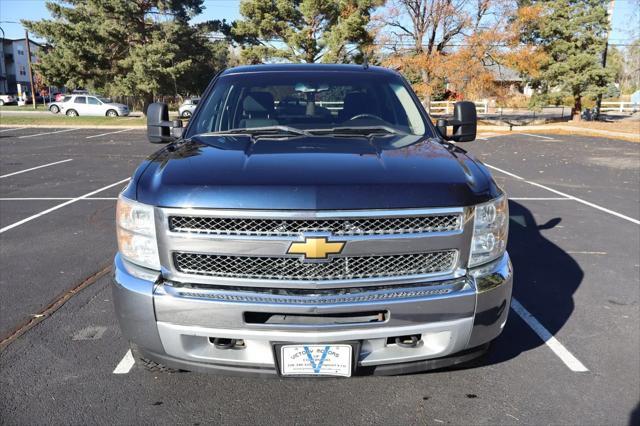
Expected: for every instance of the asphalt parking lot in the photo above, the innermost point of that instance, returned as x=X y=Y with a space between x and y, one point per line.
x=570 y=353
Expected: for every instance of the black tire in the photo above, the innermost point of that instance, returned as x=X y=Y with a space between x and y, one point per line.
x=150 y=365
x=186 y=114
x=112 y=113
x=54 y=109
x=72 y=113
x=1 y=102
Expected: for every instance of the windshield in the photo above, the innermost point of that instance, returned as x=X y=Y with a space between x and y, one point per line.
x=309 y=100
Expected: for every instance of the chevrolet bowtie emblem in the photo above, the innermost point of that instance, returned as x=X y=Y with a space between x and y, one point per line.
x=316 y=248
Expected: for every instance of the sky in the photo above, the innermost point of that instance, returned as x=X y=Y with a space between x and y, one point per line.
x=626 y=20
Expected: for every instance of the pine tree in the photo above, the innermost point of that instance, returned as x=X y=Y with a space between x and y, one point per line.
x=304 y=30
x=573 y=36
x=127 y=47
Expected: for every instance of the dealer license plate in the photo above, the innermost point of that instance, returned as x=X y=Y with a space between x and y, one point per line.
x=316 y=360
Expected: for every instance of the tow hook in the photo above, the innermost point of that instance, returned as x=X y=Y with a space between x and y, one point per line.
x=222 y=343
x=408 y=341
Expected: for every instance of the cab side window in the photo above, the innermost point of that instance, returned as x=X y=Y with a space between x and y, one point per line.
x=80 y=100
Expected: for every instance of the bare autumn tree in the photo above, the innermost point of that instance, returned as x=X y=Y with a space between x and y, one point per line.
x=450 y=41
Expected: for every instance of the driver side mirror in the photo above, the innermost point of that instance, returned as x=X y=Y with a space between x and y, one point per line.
x=159 y=128
x=464 y=123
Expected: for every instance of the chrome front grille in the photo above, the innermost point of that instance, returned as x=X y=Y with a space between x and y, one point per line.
x=294 y=227
x=292 y=269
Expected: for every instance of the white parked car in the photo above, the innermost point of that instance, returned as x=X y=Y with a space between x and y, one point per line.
x=92 y=105
x=188 y=106
x=7 y=99
x=56 y=106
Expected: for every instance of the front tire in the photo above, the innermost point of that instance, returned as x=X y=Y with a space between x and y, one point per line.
x=1 y=102
x=54 y=109
x=72 y=113
x=186 y=114
x=112 y=113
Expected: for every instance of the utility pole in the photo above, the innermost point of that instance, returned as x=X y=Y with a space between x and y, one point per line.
x=33 y=87
x=606 y=48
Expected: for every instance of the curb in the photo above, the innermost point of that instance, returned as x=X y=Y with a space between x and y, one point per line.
x=559 y=129
x=65 y=126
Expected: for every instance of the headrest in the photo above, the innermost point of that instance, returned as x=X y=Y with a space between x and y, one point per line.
x=356 y=98
x=258 y=102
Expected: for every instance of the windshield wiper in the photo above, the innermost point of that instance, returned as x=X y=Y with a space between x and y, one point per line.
x=258 y=132
x=367 y=131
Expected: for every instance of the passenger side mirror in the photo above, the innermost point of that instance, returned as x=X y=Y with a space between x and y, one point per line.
x=159 y=128
x=464 y=123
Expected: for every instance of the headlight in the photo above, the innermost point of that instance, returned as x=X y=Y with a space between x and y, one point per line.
x=137 y=233
x=490 y=229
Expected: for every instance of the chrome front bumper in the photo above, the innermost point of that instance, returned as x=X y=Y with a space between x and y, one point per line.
x=174 y=325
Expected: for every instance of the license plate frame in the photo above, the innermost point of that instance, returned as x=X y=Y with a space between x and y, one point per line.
x=277 y=353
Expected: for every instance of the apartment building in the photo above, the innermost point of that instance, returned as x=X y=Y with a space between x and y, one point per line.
x=14 y=65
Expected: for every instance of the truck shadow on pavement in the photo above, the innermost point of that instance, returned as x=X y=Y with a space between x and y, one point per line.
x=545 y=278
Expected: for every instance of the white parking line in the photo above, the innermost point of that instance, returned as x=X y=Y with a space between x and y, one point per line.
x=561 y=352
x=538 y=198
x=538 y=136
x=55 y=198
x=61 y=205
x=35 y=168
x=504 y=172
x=125 y=364
x=46 y=133
x=14 y=128
x=110 y=133
x=579 y=200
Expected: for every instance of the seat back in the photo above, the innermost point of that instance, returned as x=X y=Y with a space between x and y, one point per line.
x=258 y=110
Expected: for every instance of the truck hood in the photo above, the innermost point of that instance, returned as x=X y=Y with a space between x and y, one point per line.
x=315 y=173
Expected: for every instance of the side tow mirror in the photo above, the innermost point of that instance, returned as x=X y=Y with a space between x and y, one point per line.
x=464 y=122
x=159 y=128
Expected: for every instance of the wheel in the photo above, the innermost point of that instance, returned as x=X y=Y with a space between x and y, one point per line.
x=112 y=113
x=54 y=109
x=186 y=114
x=1 y=102
x=151 y=365
x=72 y=113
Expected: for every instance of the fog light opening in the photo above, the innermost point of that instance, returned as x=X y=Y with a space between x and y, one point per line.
x=226 y=343
x=411 y=341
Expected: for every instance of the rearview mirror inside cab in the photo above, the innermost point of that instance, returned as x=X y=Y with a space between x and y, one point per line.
x=159 y=128
x=464 y=123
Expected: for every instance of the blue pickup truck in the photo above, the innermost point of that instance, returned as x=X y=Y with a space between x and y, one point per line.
x=310 y=220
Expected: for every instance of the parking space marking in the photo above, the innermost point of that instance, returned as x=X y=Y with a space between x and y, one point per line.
x=15 y=128
x=539 y=136
x=579 y=200
x=110 y=133
x=35 y=168
x=61 y=205
x=46 y=133
x=538 y=198
x=561 y=352
x=125 y=364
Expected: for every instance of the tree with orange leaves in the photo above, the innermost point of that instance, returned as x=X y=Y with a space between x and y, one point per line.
x=447 y=44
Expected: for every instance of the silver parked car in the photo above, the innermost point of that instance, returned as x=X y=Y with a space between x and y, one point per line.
x=92 y=105
x=188 y=106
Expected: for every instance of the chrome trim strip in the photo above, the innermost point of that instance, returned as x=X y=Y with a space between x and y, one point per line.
x=312 y=214
x=379 y=295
